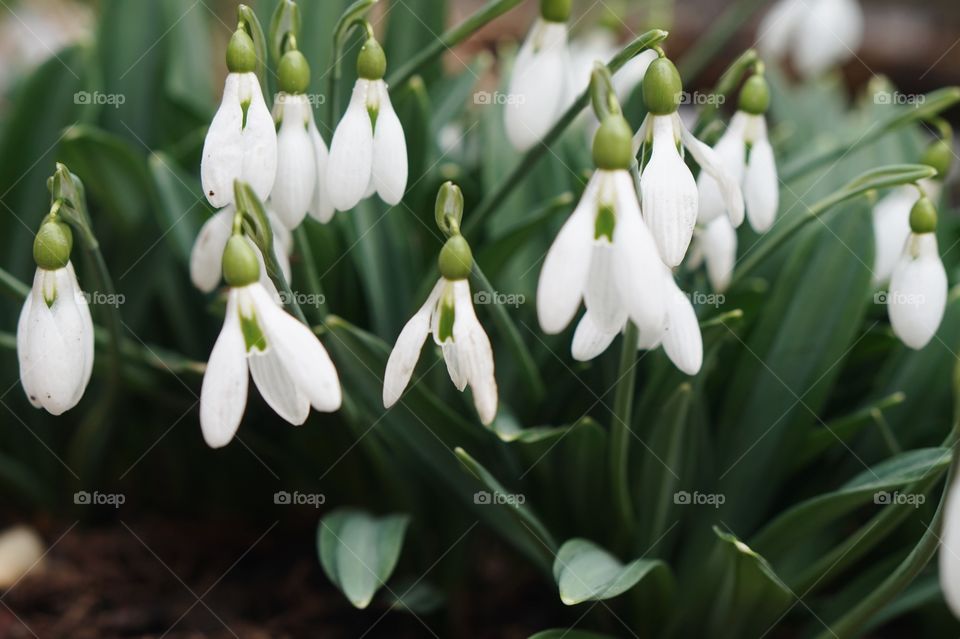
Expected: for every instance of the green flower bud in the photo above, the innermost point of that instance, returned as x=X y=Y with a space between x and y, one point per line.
x=240 y=263
x=52 y=245
x=241 y=53
x=939 y=156
x=555 y=10
x=448 y=210
x=755 y=95
x=662 y=87
x=293 y=72
x=456 y=259
x=372 y=62
x=613 y=144
x=923 y=216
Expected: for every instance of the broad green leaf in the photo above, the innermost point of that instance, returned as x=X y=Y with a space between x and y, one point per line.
x=412 y=26
x=187 y=42
x=358 y=552
x=585 y=572
x=178 y=207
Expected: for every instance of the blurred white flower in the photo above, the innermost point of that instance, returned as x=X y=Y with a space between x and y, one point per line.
x=917 y=297
x=21 y=552
x=891 y=225
x=816 y=34
x=449 y=315
x=55 y=341
x=949 y=560
x=715 y=245
x=300 y=185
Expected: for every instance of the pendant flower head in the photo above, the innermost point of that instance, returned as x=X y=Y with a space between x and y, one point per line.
x=449 y=316
x=55 y=330
x=241 y=143
x=604 y=254
x=715 y=245
x=301 y=182
x=288 y=363
x=917 y=297
x=368 y=153
x=746 y=153
x=816 y=34
x=669 y=194
x=540 y=85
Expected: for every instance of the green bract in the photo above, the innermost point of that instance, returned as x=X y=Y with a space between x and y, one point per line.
x=241 y=53
x=372 y=62
x=293 y=73
x=662 y=87
x=240 y=263
x=52 y=245
x=456 y=259
x=923 y=216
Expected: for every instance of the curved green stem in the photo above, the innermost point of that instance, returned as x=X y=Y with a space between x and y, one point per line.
x=449 y=39
x=12 y=286
x=620 y=427
x=352 y=16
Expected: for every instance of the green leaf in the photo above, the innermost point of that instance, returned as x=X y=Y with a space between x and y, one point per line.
x=178 y=208
x=585 y=572
x=568 y=633
x=187 y=41
x=358 y=552
x=417 y=597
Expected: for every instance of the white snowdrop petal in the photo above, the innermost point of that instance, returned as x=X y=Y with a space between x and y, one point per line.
x=222 y=158
x=731 y=151
x=350 y=164
x=712 y=164
x=776 y=32
x=304 y=357
x=949 y=559
x=682 y=340
x=891 y=228
x=296 y=181
x=259 y=140
x=451 y=359
x=718 y=241
x=321 y=208
x=538 y=86
x=589 y=340
x=277 y=387
x=206 y=256
x=639 y=277
x=917 y=297
x=761 y=186
x=403 y=358
x=601 y=293
x=566 y=265
x=828 y=34
x=389 y=151
x=223 y=394
x=669 y=194
x=474 y=353
x=24 y=354
x=86 y=338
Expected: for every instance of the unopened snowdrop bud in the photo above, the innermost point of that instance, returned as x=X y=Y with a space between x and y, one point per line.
x=670 y=198
x=539 y=87
x=917 y=297
x=368 y=153
x=55 y=330
x=241 y=143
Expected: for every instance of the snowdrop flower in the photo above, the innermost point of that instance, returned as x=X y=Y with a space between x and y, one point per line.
x=368 y=153
x=241 y=143
x=669 y=194
x=817 y=34
x=288 y=363
x=603 y=255
x=55 y=330
x=301 y=182
x=917 y=297
x=540 y=89
x=747 y=155
x=949 y=560
x=449 y=316
x=715 y=245
x=206 y=257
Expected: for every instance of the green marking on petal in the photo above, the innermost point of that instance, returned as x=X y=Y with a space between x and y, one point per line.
x=253 y=335
x=373 y=112
x=605 y=223
x=447 y=316
x=245 y=105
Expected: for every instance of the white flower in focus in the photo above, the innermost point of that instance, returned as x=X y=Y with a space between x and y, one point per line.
x=816 y=34
x=891 y=225
x=368 y=153
x=917 y=297
x=538 y=92
x=241 y=143
x=289 y=365
x=448 y=314
x=55 y=330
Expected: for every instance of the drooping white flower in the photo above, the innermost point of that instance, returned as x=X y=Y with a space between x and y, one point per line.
x=448 y=314
x=300 y=185
x=289 y=365
x=605 y=256
x=241 y=143
x=891 y=225
x=715 y=245
x=917 y=297
x=949 y=560
x=539 y=89
x=816 y=34
x=55 y=341
x=206 y=257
